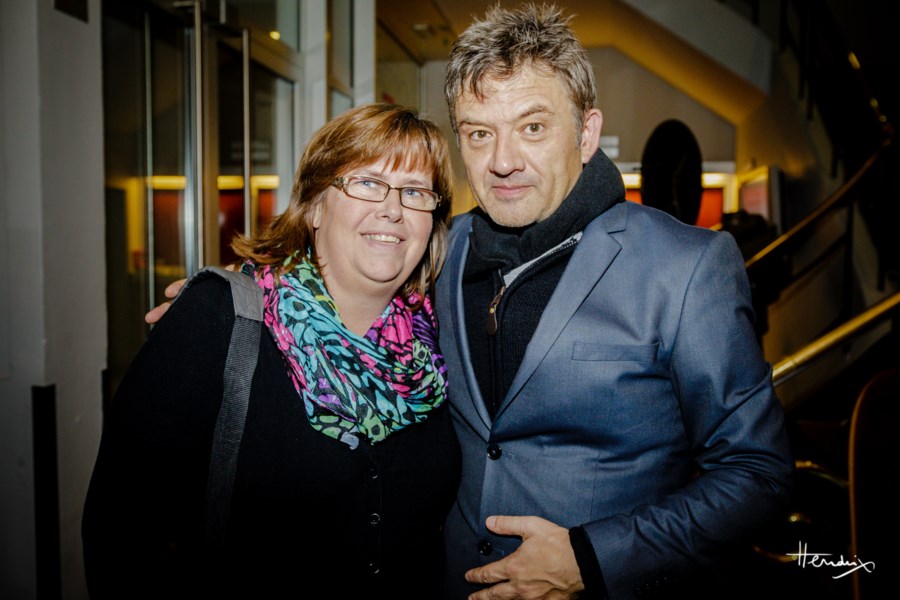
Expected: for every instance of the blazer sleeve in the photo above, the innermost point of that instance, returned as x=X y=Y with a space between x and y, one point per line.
x=735 y=426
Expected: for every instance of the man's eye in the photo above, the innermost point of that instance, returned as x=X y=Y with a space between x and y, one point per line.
x=534 y=128
x=478 y=135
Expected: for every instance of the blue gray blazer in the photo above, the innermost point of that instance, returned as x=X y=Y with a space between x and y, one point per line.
x=643 y=409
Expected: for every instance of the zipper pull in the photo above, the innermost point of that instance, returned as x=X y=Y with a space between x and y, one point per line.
x=492 y=312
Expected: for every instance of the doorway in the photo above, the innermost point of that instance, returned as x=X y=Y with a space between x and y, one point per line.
x=201 y=132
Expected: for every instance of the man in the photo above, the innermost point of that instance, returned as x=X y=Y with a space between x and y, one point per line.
x=617 y=420
x=604 y=371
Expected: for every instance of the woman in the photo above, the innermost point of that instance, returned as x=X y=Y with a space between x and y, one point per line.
x=348 y=463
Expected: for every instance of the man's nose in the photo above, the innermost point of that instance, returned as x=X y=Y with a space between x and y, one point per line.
x=508 y=157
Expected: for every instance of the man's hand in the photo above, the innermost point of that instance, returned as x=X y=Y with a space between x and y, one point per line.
x=171 y=291
x=543 y=566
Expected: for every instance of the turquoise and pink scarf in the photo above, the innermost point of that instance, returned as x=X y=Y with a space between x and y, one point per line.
x=353 y=386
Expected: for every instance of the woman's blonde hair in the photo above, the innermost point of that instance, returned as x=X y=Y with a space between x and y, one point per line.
x=361 y=136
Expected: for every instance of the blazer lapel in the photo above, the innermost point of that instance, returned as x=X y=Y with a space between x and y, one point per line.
x=592 y=257
x=453 y=269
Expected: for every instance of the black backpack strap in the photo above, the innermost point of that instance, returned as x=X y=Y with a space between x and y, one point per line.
x=243 y=351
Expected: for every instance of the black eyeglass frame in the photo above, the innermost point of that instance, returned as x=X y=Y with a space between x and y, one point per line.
x=342 y=182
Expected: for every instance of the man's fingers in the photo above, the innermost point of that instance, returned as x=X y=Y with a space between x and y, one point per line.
x=497 y=592
x=492 y=573
x=504 y=525
x=520 y=526
x=173 y=288
x=156 y=313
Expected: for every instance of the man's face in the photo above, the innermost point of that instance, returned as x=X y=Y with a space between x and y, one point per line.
x=519 y=144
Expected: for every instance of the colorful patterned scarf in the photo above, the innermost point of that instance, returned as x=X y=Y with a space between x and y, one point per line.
x=353 y=386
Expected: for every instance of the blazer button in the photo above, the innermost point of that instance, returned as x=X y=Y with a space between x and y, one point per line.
x=374 y=568
x=485 y=548
x=374 y=519
x=494 y=452
x=372 y=473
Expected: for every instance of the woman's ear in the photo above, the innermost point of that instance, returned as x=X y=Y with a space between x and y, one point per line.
x=317 y=213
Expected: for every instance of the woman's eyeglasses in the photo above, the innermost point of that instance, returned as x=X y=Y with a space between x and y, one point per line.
x=375 y=190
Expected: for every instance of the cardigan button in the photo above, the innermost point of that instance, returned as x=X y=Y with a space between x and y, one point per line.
x=374 y=519
x=374 y=568
x=494 y=451
x=372 y=473
x=485 y=548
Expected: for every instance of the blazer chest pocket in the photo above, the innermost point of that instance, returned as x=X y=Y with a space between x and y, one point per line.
x=615 y=352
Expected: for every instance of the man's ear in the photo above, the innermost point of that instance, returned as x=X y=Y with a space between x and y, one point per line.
x=590 y=134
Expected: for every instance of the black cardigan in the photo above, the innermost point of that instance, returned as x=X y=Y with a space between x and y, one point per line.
x=310 y=517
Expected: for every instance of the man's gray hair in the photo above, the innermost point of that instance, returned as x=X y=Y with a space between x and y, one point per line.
x=505 y=40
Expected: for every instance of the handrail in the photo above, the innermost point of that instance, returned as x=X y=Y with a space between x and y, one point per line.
x=791 y=365
x=836 y=200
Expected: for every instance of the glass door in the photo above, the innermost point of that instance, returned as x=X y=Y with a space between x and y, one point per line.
x=201 y=133
x=148 y=149
x=257 y=130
